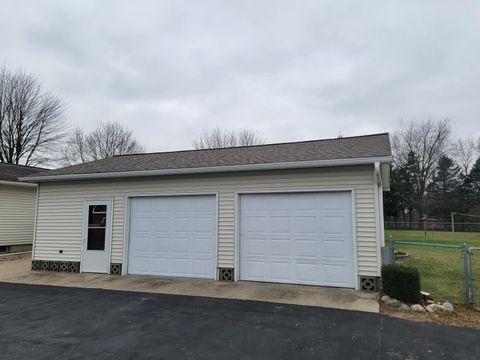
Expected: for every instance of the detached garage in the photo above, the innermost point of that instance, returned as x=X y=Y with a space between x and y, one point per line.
x=300 y=213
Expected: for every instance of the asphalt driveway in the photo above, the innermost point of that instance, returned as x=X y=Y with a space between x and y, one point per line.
x=44 y=322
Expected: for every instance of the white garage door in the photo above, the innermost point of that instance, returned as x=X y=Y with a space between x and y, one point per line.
x=173 y=236
x=298 y=238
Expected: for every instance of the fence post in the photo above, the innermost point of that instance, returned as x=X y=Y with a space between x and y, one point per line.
x=464 y=274
x=468 y=280
x=472 y=278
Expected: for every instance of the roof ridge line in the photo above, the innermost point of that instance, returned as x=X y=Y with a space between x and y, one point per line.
x=252 y=146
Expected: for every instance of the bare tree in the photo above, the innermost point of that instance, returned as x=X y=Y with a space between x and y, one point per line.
x=106 y=140
x=426 y=141
x=31 y=122
x=221 y=138
x=465 y=152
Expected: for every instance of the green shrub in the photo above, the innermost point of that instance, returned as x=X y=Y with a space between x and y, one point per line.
x=401 y=282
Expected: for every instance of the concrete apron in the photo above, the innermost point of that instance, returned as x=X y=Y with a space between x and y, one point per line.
x=18 y=271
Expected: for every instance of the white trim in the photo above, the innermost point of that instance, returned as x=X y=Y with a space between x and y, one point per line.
x=37 y=195
x=377 y=184
x=16 y=183
x=212 y=169
x=356 y=280
x=382 y=220
x=126 y=232
x=378 y=173
x=356 y=269
x=108 y=233
x=126 y=235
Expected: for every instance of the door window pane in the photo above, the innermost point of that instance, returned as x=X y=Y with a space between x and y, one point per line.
x=97 y=221
x=96 y=239
x=97 y=215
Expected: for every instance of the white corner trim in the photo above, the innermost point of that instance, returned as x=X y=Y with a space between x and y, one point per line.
x=212 y=169
x=17 y=183
x=378 y=173
x=379 y=198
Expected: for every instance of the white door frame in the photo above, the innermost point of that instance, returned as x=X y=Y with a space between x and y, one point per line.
x=126 y=224
x=293 y=191
x=108 y=230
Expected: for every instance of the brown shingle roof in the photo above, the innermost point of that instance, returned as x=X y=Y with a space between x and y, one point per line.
x=367 y=146
x=11 y=172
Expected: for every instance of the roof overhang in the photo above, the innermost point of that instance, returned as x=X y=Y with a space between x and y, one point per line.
x=211 y=169
x=17 y=183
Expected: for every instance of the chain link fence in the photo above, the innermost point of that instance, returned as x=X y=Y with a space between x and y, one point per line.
x=447 y=272
x=458 y=226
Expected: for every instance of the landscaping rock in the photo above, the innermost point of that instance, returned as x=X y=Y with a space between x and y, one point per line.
x=405 y=307
x=393 y=303
x=429 y=302
x=385 y=298
x=433 y=307
x=447 y=306
x=417 y=308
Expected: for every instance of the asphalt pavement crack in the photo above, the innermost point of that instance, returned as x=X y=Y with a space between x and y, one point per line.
x=380 y=339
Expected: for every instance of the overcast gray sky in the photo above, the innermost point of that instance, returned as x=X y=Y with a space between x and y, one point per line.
x=292 y=70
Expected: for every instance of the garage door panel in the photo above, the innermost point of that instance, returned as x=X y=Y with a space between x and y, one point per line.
x=201 y=268
x=306 y=224
x=335 y=250
x=255 y=247
x=160 y=243
x=179 y=245
x=332 y=225
x=281 y=271
x=304 y=238
x=256 y=270
x=158 y=264
x=203 y=224
x=280 y=223
x=255 y=224
x=201 y=246
x=306 y=247
x=177 y=238
x=336 y=274
x=307 y=273
x=280 y=247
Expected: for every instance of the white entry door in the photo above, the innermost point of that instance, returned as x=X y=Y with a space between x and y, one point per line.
x=97 y=236
x=173 y=236
x=298 y=238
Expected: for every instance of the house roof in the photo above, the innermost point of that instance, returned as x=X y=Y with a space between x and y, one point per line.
x=11 y=172
x=329 y=151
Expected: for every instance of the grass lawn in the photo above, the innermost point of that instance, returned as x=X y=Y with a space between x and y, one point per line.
x=440 y=269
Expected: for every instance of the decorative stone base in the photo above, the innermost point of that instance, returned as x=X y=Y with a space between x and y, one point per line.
x=225 y=274
x=370 y=283
x=59 y=266
x=115 y=269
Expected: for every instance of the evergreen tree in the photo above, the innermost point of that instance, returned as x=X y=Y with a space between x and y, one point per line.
x=443 y=190
x=401 y=200
x=472 y=188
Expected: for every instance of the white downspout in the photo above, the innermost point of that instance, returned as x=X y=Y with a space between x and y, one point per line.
x=378 y=175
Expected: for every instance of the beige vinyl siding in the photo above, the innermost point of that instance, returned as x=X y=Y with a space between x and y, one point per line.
x=17 y=214
x=60 y=207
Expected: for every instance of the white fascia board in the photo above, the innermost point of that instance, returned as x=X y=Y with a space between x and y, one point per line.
x=211 y=169
x=16 y=183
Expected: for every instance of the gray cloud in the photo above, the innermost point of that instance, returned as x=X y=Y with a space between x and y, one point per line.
x=292 y=70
